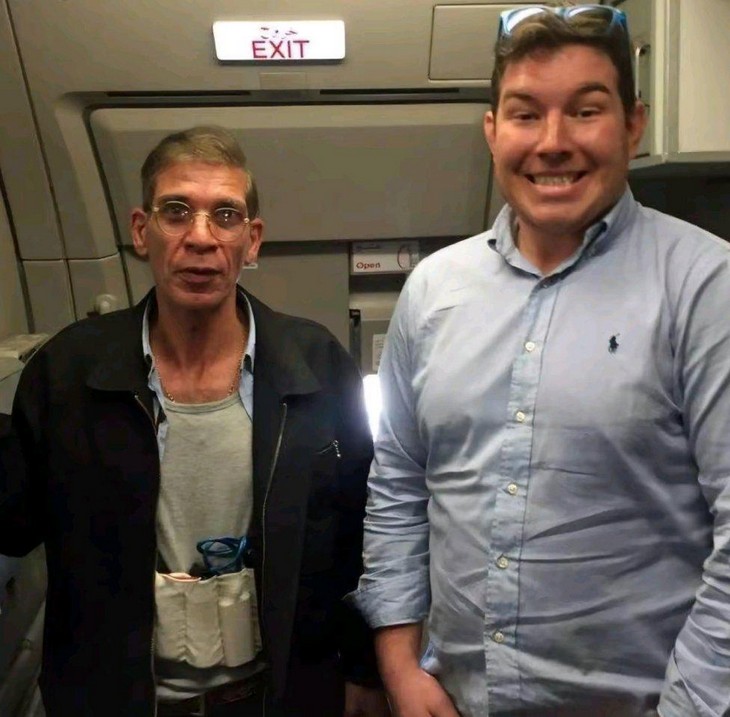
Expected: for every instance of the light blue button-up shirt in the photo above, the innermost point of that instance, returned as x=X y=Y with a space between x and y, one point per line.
x=552 y=466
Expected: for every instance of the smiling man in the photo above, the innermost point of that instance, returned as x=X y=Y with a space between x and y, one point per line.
x=196 y=467
x=551 y=483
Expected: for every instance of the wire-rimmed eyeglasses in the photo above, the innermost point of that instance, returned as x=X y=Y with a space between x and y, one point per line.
x=175 y=219
x=606 y=14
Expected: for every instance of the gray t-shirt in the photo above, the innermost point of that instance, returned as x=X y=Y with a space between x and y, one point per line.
x=206 y=491
x=206 y=488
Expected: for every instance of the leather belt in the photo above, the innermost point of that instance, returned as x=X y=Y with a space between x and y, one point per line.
x=203 y=704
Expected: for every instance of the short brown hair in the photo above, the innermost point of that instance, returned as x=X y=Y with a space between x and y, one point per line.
x=547 y=31
x=211 y=144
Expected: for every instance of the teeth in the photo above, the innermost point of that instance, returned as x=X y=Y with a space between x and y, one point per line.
x=555 y=181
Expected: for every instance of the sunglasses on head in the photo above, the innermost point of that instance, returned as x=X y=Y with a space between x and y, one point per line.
x=609 y=16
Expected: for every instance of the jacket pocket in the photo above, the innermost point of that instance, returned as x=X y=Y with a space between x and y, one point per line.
x=331 y=447
x=323 y=480
x=321 y=521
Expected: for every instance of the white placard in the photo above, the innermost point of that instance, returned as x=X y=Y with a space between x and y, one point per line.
x=376 y=257
x=378 y=346
x=288 y=41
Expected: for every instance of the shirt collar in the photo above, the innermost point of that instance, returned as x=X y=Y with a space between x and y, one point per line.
x=249 y=353
x=595 y=239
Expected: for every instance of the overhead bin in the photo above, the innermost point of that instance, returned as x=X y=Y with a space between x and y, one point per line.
x=462 y=40
x=327 y=172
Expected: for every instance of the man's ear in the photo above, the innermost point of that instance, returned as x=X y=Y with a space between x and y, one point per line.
x=490 y=129
x=138 y=229
x=256 y=232
x=636 y=124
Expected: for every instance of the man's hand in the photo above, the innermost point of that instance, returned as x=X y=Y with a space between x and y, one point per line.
x=365 y=701
x=419 y=694
x=412 y=691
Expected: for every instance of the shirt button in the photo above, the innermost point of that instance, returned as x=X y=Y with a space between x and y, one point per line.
x=530 y=346
x=498 y=637
x=520 y=416
x=512 y=489
x=502 y=562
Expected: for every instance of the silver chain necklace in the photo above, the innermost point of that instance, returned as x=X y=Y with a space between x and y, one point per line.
x=231 y=389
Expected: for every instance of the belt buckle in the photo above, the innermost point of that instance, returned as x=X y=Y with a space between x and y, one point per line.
x=191 y=707
x=201 y=709
x=234 y=693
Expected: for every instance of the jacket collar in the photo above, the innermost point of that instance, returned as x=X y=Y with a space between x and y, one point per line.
x=121 y=365
x=278 y=357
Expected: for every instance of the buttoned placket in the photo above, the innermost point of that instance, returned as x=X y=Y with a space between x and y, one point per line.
x=502 y=593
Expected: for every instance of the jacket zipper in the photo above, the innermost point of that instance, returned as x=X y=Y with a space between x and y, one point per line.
x=152 y=642
x=282 y=423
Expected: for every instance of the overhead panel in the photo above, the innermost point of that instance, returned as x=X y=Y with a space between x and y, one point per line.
x=462 y=43
x=51 y=296
x=327 y=172
x=25 y=181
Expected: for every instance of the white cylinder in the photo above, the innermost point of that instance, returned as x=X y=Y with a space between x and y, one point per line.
x=237 y=630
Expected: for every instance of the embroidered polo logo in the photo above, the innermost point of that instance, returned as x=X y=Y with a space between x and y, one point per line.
x=613 y=344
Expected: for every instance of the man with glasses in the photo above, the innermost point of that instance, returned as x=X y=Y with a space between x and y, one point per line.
x=551 y=483
x=177 y=445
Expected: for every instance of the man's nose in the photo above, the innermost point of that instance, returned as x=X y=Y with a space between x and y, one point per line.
x=199 y=234
x=555 y=136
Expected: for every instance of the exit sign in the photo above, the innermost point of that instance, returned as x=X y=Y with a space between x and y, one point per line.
x=277 y=41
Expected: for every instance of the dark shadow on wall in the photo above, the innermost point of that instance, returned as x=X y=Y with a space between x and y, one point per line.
x=704 y=201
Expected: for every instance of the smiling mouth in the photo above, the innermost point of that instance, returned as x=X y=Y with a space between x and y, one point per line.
x=556 y=180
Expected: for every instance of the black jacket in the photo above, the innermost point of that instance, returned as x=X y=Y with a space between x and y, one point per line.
x=88 y=483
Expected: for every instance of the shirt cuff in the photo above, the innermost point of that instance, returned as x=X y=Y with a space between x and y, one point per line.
x=402 y=600
x=675 y=700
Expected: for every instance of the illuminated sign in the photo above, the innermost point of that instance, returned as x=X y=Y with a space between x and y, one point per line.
x=372 y=257
x=296 y=41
